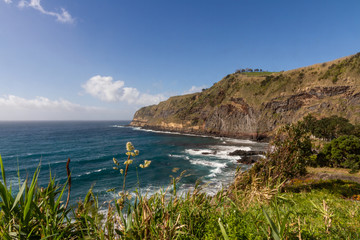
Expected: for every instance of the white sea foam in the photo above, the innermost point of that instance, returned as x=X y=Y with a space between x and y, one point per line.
x=223 y=151
x=57 y=162
x=241 y=141
x=208 y=163
x=200 y=152
x=235 y=140
x=218 y=151
x=119 y=126
x=214 y=172
x=215 y=165
x=168 y=132
x=90 y=172
x=179 y=156
x=230 y=148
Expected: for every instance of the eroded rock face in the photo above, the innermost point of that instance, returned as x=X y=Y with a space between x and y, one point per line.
x=231 y=119
x=239 y=119
x=249 y=107
x=295 y=102
x=322 y=92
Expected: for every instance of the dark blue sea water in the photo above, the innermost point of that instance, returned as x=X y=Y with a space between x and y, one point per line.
x=92 y=146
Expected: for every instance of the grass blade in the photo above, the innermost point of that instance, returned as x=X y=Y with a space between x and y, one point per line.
x=223 y=230
x=29 y=196
x=59 y=197
x=274 y=230
x=19 y=195
x=3 y=171
x=4 y=195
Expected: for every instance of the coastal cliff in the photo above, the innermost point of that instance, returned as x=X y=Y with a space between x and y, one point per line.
x=253 y=105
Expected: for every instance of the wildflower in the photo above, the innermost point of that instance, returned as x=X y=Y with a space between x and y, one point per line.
x=115 y=161
x=128 y=162
x=129 y=146
x=146 y=164
x=121 y=171
x=120 y=201
x=136 y=152
x=115 y=168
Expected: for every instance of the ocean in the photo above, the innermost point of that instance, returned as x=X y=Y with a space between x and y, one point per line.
x=91 y=146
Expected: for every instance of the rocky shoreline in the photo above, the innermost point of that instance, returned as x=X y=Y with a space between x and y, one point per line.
x=245 y=157
x=253 y=137
x=248 y=157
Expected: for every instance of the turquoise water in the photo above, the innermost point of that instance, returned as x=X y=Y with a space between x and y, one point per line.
x=92 y=146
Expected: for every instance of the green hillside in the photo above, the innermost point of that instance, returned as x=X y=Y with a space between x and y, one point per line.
x=253 y=105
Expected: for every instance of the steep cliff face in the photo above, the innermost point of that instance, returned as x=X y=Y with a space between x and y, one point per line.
x=253 y=105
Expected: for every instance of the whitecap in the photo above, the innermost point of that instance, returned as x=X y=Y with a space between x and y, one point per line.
x=208 y=163
x=168 y=132
x=199 y=152
x=176 y=156
x=90 y=172
x=119 y=126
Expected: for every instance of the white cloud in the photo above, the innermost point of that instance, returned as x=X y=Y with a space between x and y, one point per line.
x=63 y=16
x=147 y=99
x=42 y=103
x=8 y=1
x=194 y=89
x=105 y=89
x=41 y=108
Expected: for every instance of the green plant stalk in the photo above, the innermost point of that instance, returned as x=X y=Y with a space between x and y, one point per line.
x=126 y=170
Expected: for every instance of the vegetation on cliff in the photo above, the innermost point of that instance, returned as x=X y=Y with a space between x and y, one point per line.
x=256 y=104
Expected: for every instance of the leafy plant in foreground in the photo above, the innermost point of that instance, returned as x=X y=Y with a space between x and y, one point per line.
x=34 y=212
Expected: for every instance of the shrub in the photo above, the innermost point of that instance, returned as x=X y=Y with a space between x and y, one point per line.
x=342 y=152
x=328 y=128
x=289 y=153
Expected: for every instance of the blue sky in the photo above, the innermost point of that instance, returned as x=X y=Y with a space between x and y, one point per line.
x=103 y=60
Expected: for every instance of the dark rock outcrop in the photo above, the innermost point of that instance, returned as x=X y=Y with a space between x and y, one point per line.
x=246 y=153
x=249 y=159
